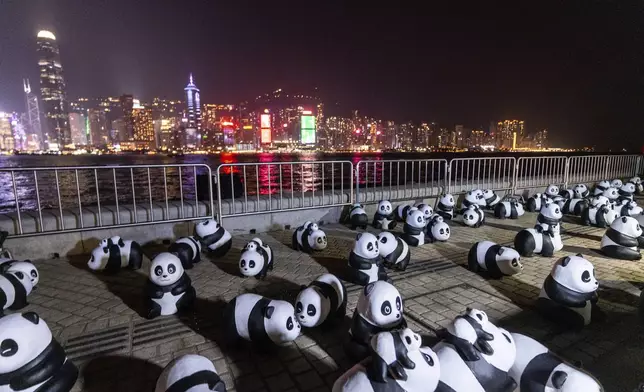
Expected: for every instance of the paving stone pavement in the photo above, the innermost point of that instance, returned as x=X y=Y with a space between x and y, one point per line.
x=96 y=316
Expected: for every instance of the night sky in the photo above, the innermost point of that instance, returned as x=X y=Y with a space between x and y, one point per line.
x=574 y=67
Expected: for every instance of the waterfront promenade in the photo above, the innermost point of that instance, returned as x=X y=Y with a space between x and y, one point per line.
x=96 y=317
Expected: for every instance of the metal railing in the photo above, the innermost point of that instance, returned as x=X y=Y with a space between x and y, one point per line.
x=261 y=188
x=539 y=172
x=495 y=173
x=592 y=168
x=423 y=178
x=101 y=197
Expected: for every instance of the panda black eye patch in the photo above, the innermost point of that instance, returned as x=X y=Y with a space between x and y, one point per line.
x=370 y=246
x=289 y=323
x=299 y=307
x=310 y=310
x=386 y=308
x=585 y=276
x=171 y=268
x=158 y=270
x=8 y=348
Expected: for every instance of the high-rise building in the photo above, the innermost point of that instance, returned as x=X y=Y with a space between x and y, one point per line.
x=509 y=131
x=78 y=125
x=98 y=129
x=164 y=128
x=143 y=127
x=127 y=107
x=6 y=134
x=32 y=123
x=193 y=104
x=52 y=91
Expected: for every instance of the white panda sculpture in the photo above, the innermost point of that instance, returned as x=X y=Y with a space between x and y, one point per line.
x=496 y=260
x=491 y=199
x=473 y=216
x=15 y=286
x=569 y=292
x=639 y=187
x=445 y=206
x=188 y=249
x=567 y=193
x=630 y=208
x=256 y=259
x=394 y=251
x=26 y=267
x=213 y=237
x=537 y=369
x=115 y=253
x=358 y=217
x=508 y=209
x=616 y=183
x=437 y=230
x=581 y=191
x=549 y=215
x=574 y=206
x=321 y=303
x=190 y=372
x=626 y=192
x=168 y=289
x=622 y=239
x=32 y=360
x=427 y=211
x=389 y=354
x=600 y=213
x=600 y=187
x=473 y=197
x=413 y=230
x=402 y=211
x=544 y=242
x=537 y=201
x=612 y=194
x=384 y=218
x=552 y=191
x=263 y=321
x=309 y=238
x=365 y=262
x=379 y=309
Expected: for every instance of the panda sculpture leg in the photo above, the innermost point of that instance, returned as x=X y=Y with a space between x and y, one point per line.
x=524 y=243
x=556 y=313
x=296 y=245
x=499 y=211
x=187 y=299
x=222 y=250
x=382 y=274
x=621 y=252
x=136 y=256
x=154 y=309
x=472 y=260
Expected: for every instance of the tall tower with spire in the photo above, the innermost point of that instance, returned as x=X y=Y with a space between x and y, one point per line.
x=193 y=102
x=33 y=111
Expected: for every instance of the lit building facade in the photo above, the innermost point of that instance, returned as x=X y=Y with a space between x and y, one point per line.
x=509 y=131
x=52 y=91
x=127 y=114
x=98 y=128
x=6 y=134
x=143 y=127
x=78 y=124
x=193 y=105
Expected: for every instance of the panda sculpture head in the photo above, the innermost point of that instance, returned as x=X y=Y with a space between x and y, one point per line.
x=503 y=348
x=26 y=268
x=552 y=190
x=165 y=269
x=575 y=273
x=447 y=200
x=311 y=307
x=581 y=191
x=569 y=379
x=628 y=226
x=627 y=189
x=206 y=228
x=23 y=336
x=385 y=207
x=380 y=304
x=599 y=201
x=24 y=280
x=551 y=212
x=488 y=194
x=416 y=219
x=616 y=183
x=366 y=246
x=427 y=211
x=611 y=193
x=410 y=339
x=253 y=244
x=440 y=230
x=509 y=260
x=251 y=262
x=317 y=239
x=471 y=215
x=635 y=180
x=280 y=322
x=387 y=243
x=99 y=257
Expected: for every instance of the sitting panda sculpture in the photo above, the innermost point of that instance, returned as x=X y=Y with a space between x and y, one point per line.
x=569 y=293
x=168 y=289
x=309 y=238
x=427 y=211
x=188 y=249
x=626 y=192
x=537 y=201
x=549 y=215
x=256 y=259
x=384 y=218
x=445 y=206
x=190 y=372
x=262 y=321
x=358 y=217
x=581 y=191
x=213 y=237
x=630 y=208
x=491 y=199
x=379 y=309
x=473 y=216
x=496 y=260
x=394 y=251
x=365 y=262
x=26 y=267
x=612 y=194
x=544 y=242
x=390 y=354
x=509 y=209
x=600 y=187
x=321 y=303
x=114 y=253
x=437 y=230
x=472 y=198
x=15 y=286
x=537 y=369
x=413 y=230
x=403 y=211
x=622 y=239
x=32 y=360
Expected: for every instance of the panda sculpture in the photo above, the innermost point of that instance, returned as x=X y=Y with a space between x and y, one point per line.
x=365 y=262
x=384 y=218
x=309 y=238
x=473 y=216
x=600 y=187
x=626 y=192
x=358 y=217
x=549 y=215
x=509 y=209
x=574 y=206
x=496 y=260
x=600 y=213
x=379 y=309
x=445 y=207
x=192 y=373
x=581 y=191
x=32 y=360
x=15 y=286
x=622 y=239
x=169 y=288
x=639 y=187
x=437 y=230
x=403 y=211
x=537 y=369
x=188 y=249
x=552 y=191
x=612 y=194
x=413 y=230
x=213 y=237
x=427 y=211
x=390 y=354
x=491 y=199
x=394 y=251
x=256 y=259
x=423 y=377
x=321 y=303
x=544 y=242
x=26 y=267
x=110 y=256
x=263 y=321
x=616 y=183
x=472 y=198
x=630 y=208
x=567 y=193
x=537 y=201
x=569 y=292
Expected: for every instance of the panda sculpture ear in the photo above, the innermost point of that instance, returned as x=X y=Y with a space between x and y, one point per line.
x=579 y=255
x=219 y=387
x=624 y=219
x=268 y=312
x=121 y=242
x=368 y=289
x=559 y=378
x=565 y=261
x=501 y=250
x=303 y=287
x=105 y=250
x=358 y=236
x=31 y=316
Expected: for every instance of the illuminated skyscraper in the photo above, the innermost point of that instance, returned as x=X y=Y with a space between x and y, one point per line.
x=143 y=127
x=193 y=102
x=78 y=124
x=52 y=91
x=33 y=125
x=127 y=106
x=6 y=135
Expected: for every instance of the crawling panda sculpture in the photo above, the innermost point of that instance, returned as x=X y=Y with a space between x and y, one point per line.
x=427 y=211
x=256 y=259
x=612 y=194
x=384 y=218
x=403 y=211
x=437 y=230
x=472 y=198
x=379 y=309
x=509 y=209
x=263 y=321
x=600 y=187
x=574 y=206
x=630 y=208
x=491 y=199
x=445 y=207
x=581 y=191
x=413 y=230
x=473 y=216
x=309 y=238
x=192 y=373
x=622 y=239
x=537 y=201
x=15 y=286
x=544 y=242
x=569 y=292
x=188 y=249
x=32 y=360
x=168 y=289
x=537 y=369
x=358 y=217
x=626 y=192
x=114 y=253
x=394 y=251
x=616 y=183
x=26 y=267
x=496 y=260
x=600 y=213
x=365 y=262
x=213 y=237
x=321 y=303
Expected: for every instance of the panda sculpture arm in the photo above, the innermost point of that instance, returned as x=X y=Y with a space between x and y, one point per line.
x=152 y=290
x=182 y=285
x=389 y=355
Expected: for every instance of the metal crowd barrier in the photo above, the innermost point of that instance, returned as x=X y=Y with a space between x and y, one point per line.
x=592 y=168
x=423 y=178
x=80 y=198
x=539 y=172
x=495 y=173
